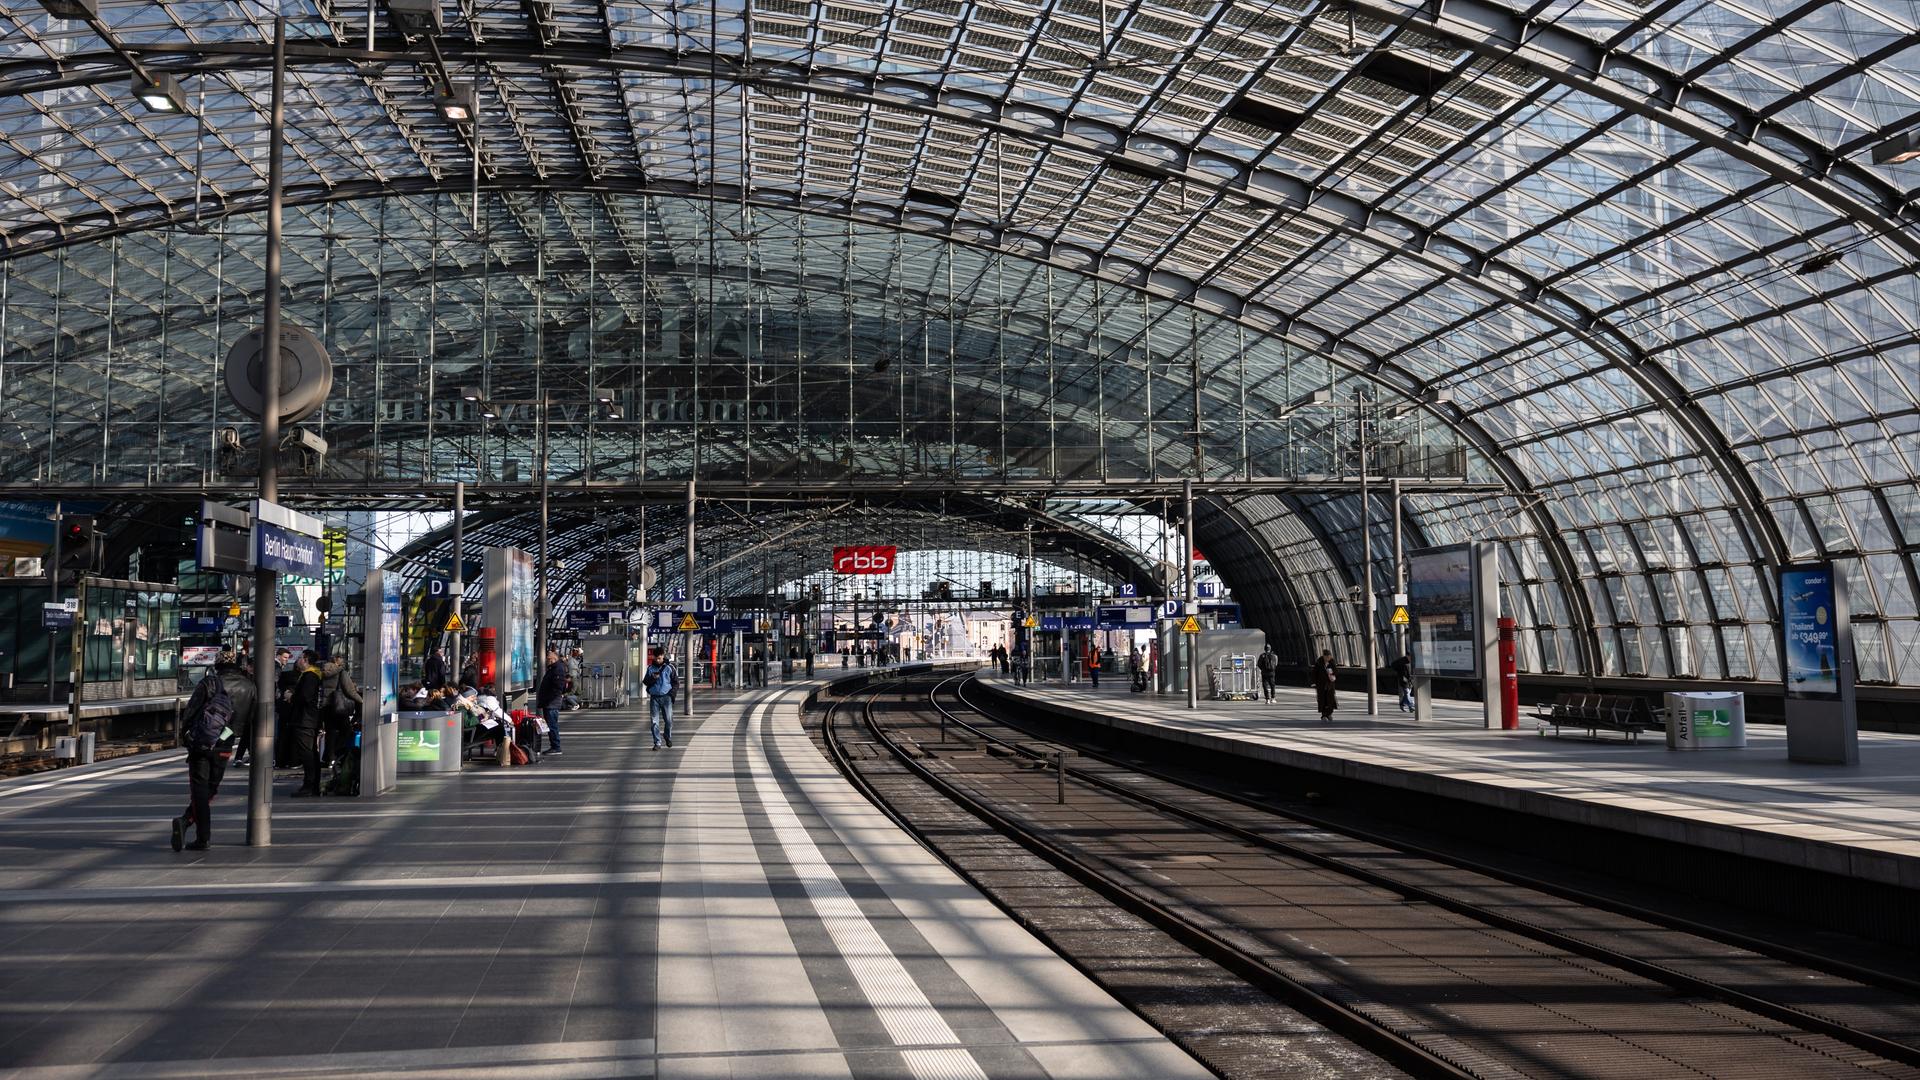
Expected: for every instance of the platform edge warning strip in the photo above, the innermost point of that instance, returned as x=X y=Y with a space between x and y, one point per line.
x=910 y=1019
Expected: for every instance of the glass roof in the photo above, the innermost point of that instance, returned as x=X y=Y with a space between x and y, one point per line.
x=1641 y=249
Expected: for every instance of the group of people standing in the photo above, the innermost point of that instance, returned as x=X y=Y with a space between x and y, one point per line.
x=873 y=654
x=1324 y=676
x=1017 y=664
x=316 y=717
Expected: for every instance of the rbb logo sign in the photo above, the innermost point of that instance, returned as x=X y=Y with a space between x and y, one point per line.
x=864 y=559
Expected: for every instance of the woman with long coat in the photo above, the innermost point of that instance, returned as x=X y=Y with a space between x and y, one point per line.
x=1323 y=680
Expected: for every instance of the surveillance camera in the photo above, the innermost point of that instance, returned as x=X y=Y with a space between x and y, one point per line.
x=309 y=441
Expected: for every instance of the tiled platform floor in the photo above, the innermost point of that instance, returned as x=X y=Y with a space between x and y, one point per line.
x=1859 y=820
x=729 y=908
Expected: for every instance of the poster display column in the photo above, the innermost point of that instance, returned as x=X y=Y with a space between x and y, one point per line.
x=380 y=669
x=1816 y=665
x=512 y=608
x=1453 y=599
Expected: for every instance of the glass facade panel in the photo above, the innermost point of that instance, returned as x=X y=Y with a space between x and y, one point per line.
x=939 y=249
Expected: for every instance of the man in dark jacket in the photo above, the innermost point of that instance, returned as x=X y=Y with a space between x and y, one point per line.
x=285 y=675
x=436 y=673
x=304 y=717
x=553 y=687
x=207 y=765
x=1269 y=665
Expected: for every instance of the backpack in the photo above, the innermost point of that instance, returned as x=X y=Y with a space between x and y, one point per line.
x=340 y=707
x=209 y=726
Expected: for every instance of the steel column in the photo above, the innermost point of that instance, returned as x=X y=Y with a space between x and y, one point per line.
x=1193 y=601
x=456 y=587
x=260 y=773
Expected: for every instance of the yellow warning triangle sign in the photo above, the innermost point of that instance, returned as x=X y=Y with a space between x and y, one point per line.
x=1191 y=626
x=1032 y=622
x=688 y=622
x=1400 y=616
x=455 y=625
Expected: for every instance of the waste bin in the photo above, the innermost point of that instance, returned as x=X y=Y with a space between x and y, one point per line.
x=1706 y=720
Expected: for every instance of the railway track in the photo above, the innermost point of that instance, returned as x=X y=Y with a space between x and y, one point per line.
x=1438 y=968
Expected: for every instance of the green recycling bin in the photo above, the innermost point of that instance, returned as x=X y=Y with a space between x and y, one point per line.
x=1706 y=720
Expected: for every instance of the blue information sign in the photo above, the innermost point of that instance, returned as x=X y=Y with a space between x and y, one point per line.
x=588 y=620
x=1223 y=614
x=287 y=552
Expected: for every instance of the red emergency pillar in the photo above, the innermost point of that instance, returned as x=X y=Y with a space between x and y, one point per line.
x=488 y=656
x=1509 y=678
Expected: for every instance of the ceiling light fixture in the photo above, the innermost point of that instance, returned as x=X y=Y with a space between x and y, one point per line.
x=1899 y=149
x=159 y=92
x=1820 y=261
x=72 y=9
x=415 y=17
x=456 y=105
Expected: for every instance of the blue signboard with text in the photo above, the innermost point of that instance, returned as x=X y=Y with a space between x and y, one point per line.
x=286 y=552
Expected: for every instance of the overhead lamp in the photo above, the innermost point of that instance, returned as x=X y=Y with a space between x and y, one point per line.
x=1899 y=149
x=416 y=17
x=604 y=397
x=470 y=393
x=1436 y=397
x=1820 y=261
x=488 y=412
x=159 y=92
x=456 y=104
x=882 y=364
x=72 y=9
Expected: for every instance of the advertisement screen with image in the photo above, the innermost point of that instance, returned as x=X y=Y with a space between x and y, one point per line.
x=389 y=644
x=525 y=609
x=1811 y=632
x=513 y=596
x=1440 y=611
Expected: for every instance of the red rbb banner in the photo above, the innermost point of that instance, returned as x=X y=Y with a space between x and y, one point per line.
x=863 y=559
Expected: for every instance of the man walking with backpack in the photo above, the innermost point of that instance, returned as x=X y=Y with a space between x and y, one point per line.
x=223 y=696
x=659 y=683
x=1269 y=665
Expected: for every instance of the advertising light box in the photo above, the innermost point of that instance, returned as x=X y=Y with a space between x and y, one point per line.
x=1440 y=606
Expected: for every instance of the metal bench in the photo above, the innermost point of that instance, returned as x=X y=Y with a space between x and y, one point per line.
x=1595 y=713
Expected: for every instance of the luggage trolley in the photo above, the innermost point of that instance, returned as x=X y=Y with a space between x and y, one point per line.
x=1235 y=680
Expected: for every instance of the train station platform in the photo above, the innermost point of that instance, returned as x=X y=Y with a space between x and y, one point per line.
x=729 y=907
x=1859 y=822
